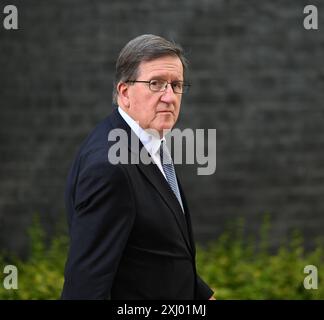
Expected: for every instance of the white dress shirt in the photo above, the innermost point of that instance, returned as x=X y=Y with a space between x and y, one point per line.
x=151 y=142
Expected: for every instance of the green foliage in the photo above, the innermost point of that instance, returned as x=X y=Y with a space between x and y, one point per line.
x=237 y=267
x=41 y=275
x=240 y=268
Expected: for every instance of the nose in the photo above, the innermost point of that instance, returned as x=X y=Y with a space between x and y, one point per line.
x=168 y=95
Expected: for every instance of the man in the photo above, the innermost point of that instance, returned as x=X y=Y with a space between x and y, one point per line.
x=130 y=229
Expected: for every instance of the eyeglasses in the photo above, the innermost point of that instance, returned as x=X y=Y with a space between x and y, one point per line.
x=179 y=87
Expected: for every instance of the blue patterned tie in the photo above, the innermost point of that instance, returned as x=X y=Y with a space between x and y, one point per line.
x=168 y=169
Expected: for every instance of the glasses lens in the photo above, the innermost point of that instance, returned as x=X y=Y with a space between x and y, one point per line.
x=157 y=85
x=160 y=85
x=177 y=86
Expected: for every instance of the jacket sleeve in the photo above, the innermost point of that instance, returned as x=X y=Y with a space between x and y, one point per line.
x=204 y=292
x=102 y=220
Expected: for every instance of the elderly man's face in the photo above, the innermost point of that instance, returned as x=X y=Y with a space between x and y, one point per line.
x=154 y=110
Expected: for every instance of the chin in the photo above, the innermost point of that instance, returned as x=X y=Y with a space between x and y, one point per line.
x=161 y=128
x=167 y=125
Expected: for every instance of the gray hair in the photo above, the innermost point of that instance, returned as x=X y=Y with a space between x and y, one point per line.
x=146 y=47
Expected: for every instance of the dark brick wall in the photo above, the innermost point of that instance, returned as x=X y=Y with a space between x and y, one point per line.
x=257 y=78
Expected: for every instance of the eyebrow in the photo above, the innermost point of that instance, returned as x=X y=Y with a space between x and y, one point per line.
x=159 y=77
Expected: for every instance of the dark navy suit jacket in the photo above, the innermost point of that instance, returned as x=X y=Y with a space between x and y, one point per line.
x=129 y=238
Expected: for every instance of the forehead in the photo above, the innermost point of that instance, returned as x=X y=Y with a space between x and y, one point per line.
x=167 y=66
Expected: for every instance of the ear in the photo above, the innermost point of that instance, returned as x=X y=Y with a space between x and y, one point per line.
x=123 y=99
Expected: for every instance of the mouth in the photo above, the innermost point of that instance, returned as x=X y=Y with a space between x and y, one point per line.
x=165 y=112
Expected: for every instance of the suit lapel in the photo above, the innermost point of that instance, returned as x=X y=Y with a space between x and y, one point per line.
x=154 y=176
x=188 y=220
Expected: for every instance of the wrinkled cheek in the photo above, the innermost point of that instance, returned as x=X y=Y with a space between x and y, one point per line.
x=176 y=116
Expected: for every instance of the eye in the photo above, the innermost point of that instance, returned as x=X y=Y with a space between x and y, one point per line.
x=177 y=85
x=157 y=84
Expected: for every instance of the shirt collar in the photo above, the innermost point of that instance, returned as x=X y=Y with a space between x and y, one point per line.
x=150 y=141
